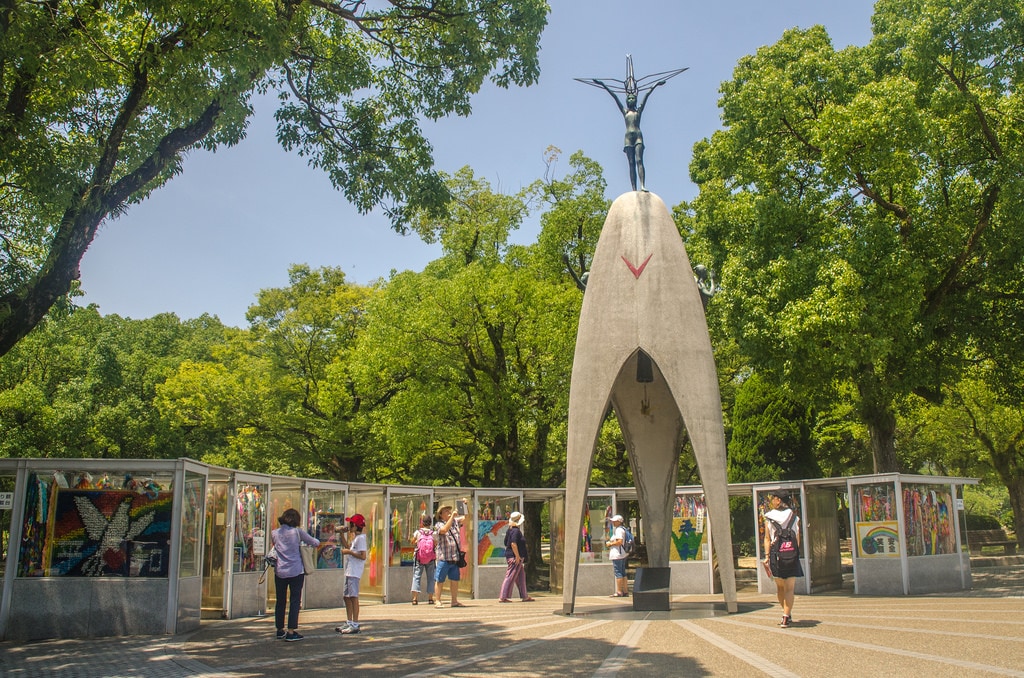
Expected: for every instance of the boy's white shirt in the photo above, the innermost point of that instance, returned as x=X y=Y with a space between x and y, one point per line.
x=616 y=551
x=354 y=565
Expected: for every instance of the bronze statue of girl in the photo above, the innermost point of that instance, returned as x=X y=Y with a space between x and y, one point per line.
x=633 y=145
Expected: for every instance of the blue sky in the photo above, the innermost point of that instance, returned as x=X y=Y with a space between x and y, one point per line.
x=234 y=221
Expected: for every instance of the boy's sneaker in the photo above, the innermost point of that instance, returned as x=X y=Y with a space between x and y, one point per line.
x=785 y=622
x=280 y=634
x=292 y=636
x=341 y=629
x=350 y=629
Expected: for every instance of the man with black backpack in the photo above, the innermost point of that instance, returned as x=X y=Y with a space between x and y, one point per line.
x=782 y=551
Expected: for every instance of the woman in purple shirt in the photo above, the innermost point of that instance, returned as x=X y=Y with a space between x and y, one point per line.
x=289 y=574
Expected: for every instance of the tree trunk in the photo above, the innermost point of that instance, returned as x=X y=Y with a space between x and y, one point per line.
x=25 y=307
x=1016 y=488
x=883 y=445
x=877 y=413
x=1008 y=461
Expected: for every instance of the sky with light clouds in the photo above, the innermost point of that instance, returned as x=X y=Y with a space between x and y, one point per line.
x=235 y=220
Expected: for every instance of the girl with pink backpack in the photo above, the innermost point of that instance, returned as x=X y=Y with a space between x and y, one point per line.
x=425 y=558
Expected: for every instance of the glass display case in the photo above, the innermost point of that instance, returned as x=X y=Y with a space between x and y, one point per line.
x=285 y=493
x=689 y=528
x=215 y=546
x=875 y=521
x=407 y=512
x=7 y=480
x=96 y=524
x=370 y=504
x=325 y=520
x=492 y=512
x=192 y=523
x=905 y=537
x=928 y=520
x=597 y=528
x=250 y=532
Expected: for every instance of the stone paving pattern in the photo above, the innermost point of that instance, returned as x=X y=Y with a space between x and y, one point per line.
x=977 y=633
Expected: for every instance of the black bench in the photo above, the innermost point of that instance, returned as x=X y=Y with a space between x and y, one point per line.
x=979 y=538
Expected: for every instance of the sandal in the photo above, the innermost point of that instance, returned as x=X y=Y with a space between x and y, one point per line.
x=528 y=599
x=415 y=602
x=457 y=605
x=504 y=600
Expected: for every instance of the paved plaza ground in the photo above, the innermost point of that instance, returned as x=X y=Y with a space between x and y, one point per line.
x=976 y=633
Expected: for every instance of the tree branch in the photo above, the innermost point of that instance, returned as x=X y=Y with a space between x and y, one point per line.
x=935 y=297
x=899 y=210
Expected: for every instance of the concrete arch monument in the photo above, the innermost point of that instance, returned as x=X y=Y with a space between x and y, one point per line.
x=643 y=311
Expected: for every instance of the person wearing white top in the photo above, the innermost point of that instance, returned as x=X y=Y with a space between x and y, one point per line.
x=785 y=582
x=355 y=563
x=617 y=554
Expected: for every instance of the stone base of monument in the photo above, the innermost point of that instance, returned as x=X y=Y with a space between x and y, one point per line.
x=651 y=589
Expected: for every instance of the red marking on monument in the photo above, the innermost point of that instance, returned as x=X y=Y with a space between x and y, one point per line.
x=637 y=270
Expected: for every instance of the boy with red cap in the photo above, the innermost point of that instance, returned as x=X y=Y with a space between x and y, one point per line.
x=355 y=549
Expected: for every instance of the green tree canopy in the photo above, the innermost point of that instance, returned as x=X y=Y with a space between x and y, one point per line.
x=280 y=397
x=83 y=385
x=467 y=363
x=771 y=435
x=863 y=207
x=99 y=102
x=570 y=226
